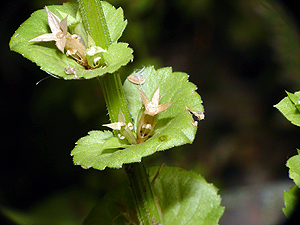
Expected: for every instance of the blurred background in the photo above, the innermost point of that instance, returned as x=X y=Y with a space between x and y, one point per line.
x=241 y=54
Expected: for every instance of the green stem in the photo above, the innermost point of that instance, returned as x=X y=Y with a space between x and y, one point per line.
x=94 y=21
x=95 y=24
x=114 y=96
x=144 y=198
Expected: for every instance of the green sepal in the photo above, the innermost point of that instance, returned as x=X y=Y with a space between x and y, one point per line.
x=184 y=197
x=117 y=55
x=174 y=127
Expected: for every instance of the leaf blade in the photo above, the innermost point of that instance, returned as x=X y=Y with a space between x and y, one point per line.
x=290 y=200
x=289 y=109
x=184 y=198
x=115 y=21
x=51 y=60
x=174 y=127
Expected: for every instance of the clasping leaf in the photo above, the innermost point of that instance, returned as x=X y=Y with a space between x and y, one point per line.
x=52 y=59
x=174 y=127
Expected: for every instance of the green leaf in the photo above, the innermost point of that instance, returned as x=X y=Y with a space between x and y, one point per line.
x=117 y=55
x=174 y=86
x=50 y=59
x=294 y=99
x=289 y=107
x=115 y=142
x=184 y=198
x=174 y=127
x=44 y=54
x=115 y=20
x=89 y=149
x=290 y=200
x=292 y=196
x=116 y=207
x=294 y=164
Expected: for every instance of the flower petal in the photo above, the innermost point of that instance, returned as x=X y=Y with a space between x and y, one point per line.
x=60 y=43
x=115 y=126
x=44 y=37
x=144 y=98
x=53 y=21
x=163 y=107
x=155 y=98
x=64 y=25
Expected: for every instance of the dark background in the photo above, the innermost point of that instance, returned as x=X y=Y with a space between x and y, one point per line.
x=241 y=58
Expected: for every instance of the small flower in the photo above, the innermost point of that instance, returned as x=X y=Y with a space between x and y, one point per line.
x=58 y=28
x=75 y=49
x=115 y=126
x=125 y=129
x=94 y=55
x=152 y=107
x=63 y=39
x=147 y=120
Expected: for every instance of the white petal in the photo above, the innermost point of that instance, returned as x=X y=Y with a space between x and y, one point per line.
x=45 y=37
x=64 y=25
x=115 y=126
x=144 y=98
x=60 y=43
x=53 y=21
x=155 y=98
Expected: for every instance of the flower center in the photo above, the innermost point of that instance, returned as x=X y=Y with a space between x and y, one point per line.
x=152 y=107
x=59 y=35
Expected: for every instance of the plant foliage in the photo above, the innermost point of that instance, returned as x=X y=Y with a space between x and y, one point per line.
x=184 y=197
x=54 y=62
x=174 y=127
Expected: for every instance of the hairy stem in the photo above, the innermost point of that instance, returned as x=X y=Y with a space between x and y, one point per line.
x=144 y=198
x=114 y=96
x=95 y=24
x=94 y=21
